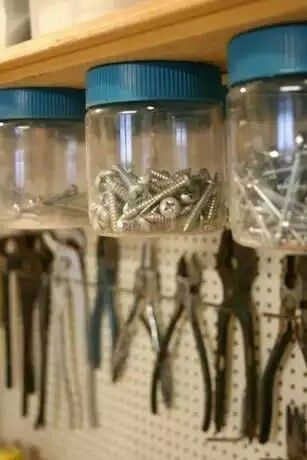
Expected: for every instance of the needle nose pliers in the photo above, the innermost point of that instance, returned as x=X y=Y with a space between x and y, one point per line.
x=187 y=302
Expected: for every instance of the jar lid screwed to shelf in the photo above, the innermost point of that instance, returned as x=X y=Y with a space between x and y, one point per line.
x=145 y=81
x=42 y=103
x=268 y=52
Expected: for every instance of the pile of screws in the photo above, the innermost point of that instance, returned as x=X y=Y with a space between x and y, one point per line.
x=272 y=199
x=157 y=201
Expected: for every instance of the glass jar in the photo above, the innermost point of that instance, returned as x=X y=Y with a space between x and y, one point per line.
x=42 y=158
x=267 y=137
x=155 y=148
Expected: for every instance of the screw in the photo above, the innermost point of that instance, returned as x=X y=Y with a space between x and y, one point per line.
x=71 y=192
x=140 y=223
x=144 y=206
x=188 y=197
x=130 y=181
x=197 y=209
x=103 y=174
x=113 y=210
x=116 y=187
x=186 y=210
x=124 y=225
x=169 y=207
x=101 y=213
x=156 y=218
x=96 y=224
x=211 y=209
x=159 y=176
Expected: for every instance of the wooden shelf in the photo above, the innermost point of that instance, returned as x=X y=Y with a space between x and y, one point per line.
x=165 y=29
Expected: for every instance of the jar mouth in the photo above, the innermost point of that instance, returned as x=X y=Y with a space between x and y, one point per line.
x=156 y=105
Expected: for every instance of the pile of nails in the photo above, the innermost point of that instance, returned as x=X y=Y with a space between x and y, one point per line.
x=273 y=198
x=156 y=201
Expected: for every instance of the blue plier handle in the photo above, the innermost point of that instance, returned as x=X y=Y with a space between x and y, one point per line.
x=104 y=302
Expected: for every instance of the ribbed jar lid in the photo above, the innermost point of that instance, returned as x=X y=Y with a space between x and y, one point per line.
x=268 y=52
x=42 y=103
x=153 y=81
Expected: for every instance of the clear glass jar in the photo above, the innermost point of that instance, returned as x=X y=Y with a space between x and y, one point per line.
x=42 y=159
x=155 y=158
x=267 y=138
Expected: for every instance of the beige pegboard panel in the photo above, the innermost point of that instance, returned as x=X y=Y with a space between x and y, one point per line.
x=127 y=428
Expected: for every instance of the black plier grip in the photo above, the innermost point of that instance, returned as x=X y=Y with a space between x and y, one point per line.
x=188 y=300
x=268 y=380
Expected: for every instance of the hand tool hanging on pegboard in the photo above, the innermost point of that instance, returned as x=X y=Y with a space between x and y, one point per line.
x=292 y=328
x=107 y=257
x=296 y=435
x=237 y=267
x=145 y=308
x=69 y=330
x=29 y=278
x=76 y=238
x=9 y=262
x=188 y=302
x=43 y=304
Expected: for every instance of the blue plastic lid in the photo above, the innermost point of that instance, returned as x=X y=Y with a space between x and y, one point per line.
x=42 y=103
x=153 y=81
x=268 y=52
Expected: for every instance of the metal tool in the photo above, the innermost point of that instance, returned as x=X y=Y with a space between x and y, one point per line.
x=107 y=254
x=44 y=305
x=187 y=303
x=69 y=330
x=9 y=261
x=144 y=308
x=237 y=267
x=293 y=300
x=296 y=433
x=29 y=278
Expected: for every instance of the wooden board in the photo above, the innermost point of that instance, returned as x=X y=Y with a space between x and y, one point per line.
x=167 y=29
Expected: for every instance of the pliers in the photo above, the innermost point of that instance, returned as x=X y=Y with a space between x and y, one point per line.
x=107 y=254
x=69 y=331
x=188 y=300
x=9 y=261
x=296 y=433
x=144 y=308
x=293 y=300
x=29 y=278
x=237 y=267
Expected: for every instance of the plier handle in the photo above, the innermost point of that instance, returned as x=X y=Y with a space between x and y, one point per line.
x=187 y=302
x=144 y=309
x=296 y=433
x=29 y=278
x=293 y=298
x=107 y=256
x=237 y=267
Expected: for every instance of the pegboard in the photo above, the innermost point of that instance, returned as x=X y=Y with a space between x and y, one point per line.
x=127 y=429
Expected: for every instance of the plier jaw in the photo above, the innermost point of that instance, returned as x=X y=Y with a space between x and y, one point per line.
x=189 y=272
